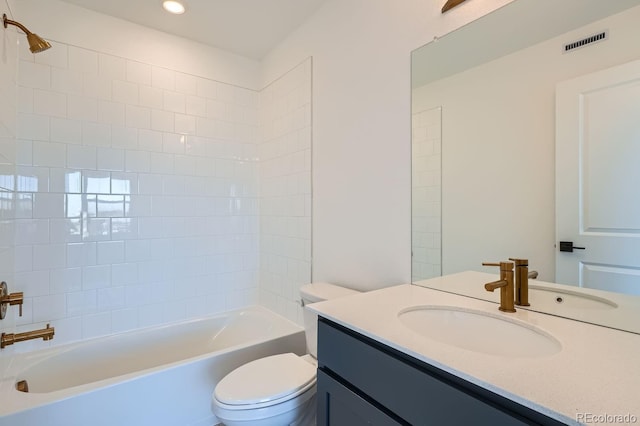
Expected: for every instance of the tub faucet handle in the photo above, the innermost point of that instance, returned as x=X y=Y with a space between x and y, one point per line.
x=7 y=299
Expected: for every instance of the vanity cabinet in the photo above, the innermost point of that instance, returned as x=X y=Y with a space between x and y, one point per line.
x=364 y=382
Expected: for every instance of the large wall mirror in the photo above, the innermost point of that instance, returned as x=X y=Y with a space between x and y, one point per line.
x=487 y=105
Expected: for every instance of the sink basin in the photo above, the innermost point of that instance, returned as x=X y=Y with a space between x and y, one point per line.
x=480 y=331
x=569 y=299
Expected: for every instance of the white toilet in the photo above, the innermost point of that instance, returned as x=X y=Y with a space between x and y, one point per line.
x=277 y=390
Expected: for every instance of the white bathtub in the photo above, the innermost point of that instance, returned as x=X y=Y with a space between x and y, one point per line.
x=159 y=376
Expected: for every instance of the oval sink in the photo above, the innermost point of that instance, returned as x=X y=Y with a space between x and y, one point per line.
x=569 y=299
x=480 y=331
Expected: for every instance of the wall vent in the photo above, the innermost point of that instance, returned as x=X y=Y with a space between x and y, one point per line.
x=586 y=41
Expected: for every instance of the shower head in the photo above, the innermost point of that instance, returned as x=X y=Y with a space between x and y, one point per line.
x=36 y=43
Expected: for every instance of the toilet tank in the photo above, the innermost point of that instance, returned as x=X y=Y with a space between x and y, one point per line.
x=318 y=292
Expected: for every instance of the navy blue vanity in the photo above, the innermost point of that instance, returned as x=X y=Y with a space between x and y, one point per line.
x=364 y=382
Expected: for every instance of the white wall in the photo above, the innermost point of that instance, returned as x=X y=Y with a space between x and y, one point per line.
x=361 y=129
x=499 y=146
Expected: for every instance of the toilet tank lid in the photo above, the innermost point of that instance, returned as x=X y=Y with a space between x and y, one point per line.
x=319 y=291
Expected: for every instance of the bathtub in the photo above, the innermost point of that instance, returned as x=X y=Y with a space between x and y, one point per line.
x=159 y=376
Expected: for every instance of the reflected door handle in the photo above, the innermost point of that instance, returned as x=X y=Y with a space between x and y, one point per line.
x=568 y=246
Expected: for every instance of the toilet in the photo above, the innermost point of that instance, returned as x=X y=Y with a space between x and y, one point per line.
x=277 y=390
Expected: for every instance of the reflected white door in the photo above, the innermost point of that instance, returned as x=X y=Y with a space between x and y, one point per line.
x=598 y=179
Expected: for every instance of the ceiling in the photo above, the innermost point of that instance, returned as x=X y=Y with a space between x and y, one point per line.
x=250 y=28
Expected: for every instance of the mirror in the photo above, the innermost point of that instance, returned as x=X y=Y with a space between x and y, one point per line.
x=483 y=140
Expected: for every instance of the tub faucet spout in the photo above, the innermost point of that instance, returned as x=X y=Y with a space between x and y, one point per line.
x=7 y=299
x=45 y=334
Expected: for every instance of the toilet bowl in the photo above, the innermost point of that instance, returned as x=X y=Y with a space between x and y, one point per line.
x=271 y=391
x=277 y=390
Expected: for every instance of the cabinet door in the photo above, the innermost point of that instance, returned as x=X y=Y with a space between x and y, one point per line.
x=339 y=406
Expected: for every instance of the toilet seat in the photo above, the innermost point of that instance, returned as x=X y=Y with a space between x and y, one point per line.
x=281 y=413
x=274 y=380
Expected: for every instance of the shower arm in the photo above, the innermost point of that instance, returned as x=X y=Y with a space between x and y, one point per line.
x=8 y=22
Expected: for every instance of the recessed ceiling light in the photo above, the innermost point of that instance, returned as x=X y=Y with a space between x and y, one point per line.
x=173 y=6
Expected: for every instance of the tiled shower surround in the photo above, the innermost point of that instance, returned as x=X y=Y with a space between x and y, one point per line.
x=285 y=191
x=145 y=195
x=8 y=66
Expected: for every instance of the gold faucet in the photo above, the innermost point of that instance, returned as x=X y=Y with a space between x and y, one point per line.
x=522 y=281
x=9 y=299
x=505 y=284
x=10 y=338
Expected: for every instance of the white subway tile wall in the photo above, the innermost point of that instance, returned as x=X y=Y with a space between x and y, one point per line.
x=11 y=205
x=426 y=211
x=285 y=191
x=147 y=195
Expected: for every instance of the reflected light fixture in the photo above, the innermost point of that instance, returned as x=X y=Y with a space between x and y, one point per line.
x=173 y=6
x=36 y=43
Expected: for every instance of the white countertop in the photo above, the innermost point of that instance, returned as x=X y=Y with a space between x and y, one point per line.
x=626 y=315
x=596 y=372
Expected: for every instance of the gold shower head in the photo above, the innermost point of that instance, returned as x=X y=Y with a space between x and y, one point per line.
x=36 y=43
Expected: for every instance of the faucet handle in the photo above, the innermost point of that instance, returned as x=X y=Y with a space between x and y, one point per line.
x=504 y=266
x=7 y=299
x=15 y=299
x=520 y=261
